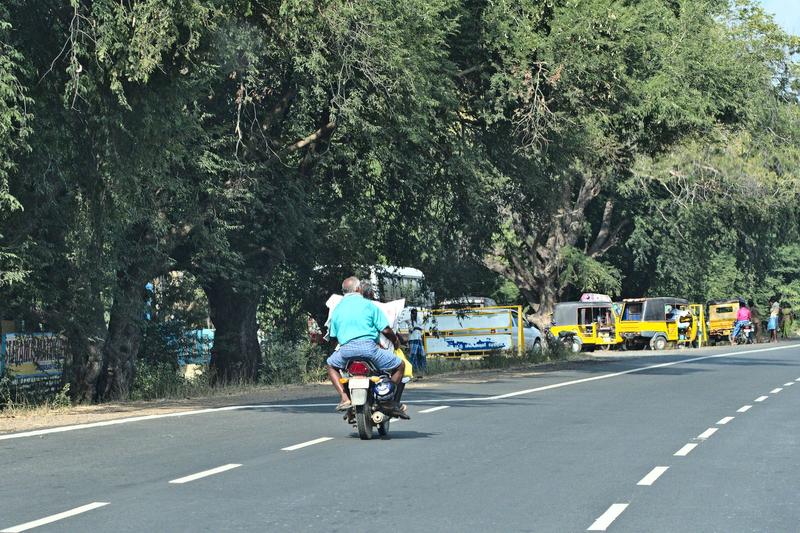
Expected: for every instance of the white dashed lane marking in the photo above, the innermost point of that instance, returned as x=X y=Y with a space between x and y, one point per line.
x=304 y=444
x=707 y=433
x=54 y=518
x=683 y=452
x=775 y=390
x=654 y=474
x=205 y=473
x=789 y=384
x=602 y=523
x=761 y=398
x=725 y=420
x=434 y=409
x=744 y=409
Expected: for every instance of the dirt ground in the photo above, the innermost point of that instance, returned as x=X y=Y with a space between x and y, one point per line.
x=18 y=420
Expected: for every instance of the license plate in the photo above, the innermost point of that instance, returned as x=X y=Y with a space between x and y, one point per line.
x=359 y=383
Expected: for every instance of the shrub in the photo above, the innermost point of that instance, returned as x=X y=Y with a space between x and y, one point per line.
x=291 y=361
x=155 y=380
x=6 y=391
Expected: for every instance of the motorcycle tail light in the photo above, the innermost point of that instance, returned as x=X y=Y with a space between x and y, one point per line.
x=357 y=368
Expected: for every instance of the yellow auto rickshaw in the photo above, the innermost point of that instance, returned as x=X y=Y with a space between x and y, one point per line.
x=721 y=317
x=585 y=325
x=660 y=322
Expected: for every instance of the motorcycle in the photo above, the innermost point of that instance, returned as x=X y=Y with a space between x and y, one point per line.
x=745 y=335
x=372 y=395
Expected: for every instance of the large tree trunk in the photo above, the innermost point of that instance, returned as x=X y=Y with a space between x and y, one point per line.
x=236 y=355
x=122 y=341
x=84 y=359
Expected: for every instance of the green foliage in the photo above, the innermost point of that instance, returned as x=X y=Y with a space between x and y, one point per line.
x=155 y=380
x=6 y=390
x=287 y=361
x=588 y=274
x=14 y=130
x=61 y=400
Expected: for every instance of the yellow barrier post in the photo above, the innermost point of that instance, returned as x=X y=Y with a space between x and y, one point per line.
x=520 y=332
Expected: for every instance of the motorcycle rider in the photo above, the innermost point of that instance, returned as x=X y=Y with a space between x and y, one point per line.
x=356 y=324
x=742 y=317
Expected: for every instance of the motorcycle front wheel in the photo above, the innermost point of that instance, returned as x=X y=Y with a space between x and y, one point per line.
x=364 y=422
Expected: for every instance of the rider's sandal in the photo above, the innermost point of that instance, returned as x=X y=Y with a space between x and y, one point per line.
x=343 y=406
x=399 y=411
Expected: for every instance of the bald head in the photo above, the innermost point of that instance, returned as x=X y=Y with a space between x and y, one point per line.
x=350 y=285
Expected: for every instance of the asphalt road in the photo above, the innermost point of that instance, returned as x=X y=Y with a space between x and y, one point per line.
x=593 y=447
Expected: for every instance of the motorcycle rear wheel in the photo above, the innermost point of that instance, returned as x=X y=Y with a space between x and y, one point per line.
x=364 y=422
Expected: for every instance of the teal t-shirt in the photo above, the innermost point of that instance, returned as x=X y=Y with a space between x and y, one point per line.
x=356 y=318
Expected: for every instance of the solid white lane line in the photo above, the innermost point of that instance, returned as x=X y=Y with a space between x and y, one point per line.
x=744 y=409
x=707 y=433
x=761 y=398
x=602 y=523
x=683 y=452
x=434 y=409
x=654 y=474
x=776 y=390
x=631 y=371
x=205 y=473
x=39 y=432
x=723 y=421
x=304 y=444
x=789 y=384
x=54 y=518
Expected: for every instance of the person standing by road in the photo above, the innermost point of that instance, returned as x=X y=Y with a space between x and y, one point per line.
x=772 y=324
x=755 y=318
x=787 y=320
x=415 y=347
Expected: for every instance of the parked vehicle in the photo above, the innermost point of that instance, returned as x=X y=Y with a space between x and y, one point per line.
x=660 y=322
x=585 y=325
x=395 y=283
x=467 y=302
x=721 y=317
x=371 y=394
x=532 y=337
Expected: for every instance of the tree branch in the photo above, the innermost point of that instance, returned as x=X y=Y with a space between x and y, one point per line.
x=470 y=70
x=321 y=133
x=604 y=232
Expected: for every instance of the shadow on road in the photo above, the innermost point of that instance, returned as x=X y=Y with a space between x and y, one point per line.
x=396 y=435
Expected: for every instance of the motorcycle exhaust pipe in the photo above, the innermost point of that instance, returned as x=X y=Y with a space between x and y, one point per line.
x=378 y=417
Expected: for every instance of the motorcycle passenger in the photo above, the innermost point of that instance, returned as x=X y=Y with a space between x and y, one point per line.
x=743 y=317
x=356 y=323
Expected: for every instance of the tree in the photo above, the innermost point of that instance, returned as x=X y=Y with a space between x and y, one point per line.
x=569 y=95
x=14 y=129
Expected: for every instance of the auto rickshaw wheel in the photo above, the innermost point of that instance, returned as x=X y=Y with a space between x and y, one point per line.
x=659 y=343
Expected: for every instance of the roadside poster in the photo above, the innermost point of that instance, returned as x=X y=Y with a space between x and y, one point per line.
x=482 y=330
x=468 y=343
x=30 y=357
